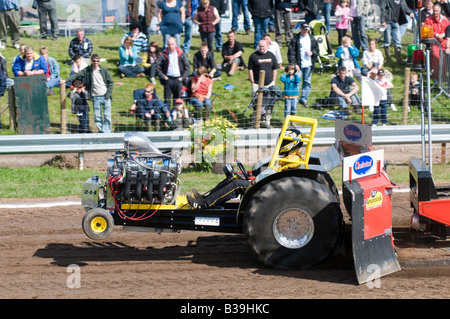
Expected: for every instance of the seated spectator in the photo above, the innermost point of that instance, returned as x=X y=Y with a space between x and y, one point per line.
x=128 y=54
x=204 y=58
x=150 y=107
x=80 y=106
x=29 y=63
x=414 y=87
x=201 y=88
x=149 y=61
x=232 y=52
x=180 y=115
x=53 y=73
x=347 y=55
x=78 y=64
x=81 y=46
x=344 y=90
x=372 y=57
x=140 y=40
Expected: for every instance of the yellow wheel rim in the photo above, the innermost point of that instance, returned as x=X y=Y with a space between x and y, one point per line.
x=99 y=224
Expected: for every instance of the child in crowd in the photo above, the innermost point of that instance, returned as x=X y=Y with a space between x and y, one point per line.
x=291 y=81
x=149 y=61
x=387 y=84
x=180 y=114
x=80 y=106
x=343 y=18
x=414 y=85
x=380 y=111
x=347 y=55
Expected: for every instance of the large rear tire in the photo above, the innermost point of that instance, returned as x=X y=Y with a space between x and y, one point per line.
x=293 y=222
x=98 y=223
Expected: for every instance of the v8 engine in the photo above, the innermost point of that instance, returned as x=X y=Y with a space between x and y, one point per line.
x=140 y=174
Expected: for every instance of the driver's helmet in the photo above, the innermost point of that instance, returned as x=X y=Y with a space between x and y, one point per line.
x=288 y=146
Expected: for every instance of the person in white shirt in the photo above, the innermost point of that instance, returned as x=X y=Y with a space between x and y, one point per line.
x=372 y=57
x=273 y=47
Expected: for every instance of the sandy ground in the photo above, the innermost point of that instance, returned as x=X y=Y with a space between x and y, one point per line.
x=45 y=254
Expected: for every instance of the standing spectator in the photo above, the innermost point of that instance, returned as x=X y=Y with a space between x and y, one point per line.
x=9 y=18
x=302 y=51
x=128 y=55
x=190 y=6
x=204 y=58
x=445 y=5
x=327 y=6
x=343 y=18
x=239 y=5
x=221 y=6
x=347 y=55
x=274 y=48
x=201 y=88
x=150 y=60
x=2 y=91
x=140 y=40
x=426 y=11
x=311 y=9
x=414 y=89
x=392 y=15
x=99 y=84
x=30 y=63
x=359 y=9
x=262 y=60
x=344 y=90
x=439 y=23
x=171 y=16
x=173 y=70
x=283 y=20
x=380 y=111
x=261 y=10
x=142 y=11
x=48 y=7
x=372 y=57
x=81 y=46
x=291 y=80
x=80 y=106
x=53 y=72
x=232 y=52
x=206 y=17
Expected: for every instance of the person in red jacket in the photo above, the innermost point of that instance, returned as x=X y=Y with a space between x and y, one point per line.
x=439 y=23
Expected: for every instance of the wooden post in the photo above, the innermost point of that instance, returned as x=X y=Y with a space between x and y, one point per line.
x=62 y=99
x=406 y=96
x=12 y=109
x=443 y=151
x=259 y=101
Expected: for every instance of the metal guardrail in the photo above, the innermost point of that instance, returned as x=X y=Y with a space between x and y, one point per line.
x=251 y=138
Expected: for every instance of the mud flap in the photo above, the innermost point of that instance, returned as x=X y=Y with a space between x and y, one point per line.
x=369 y=204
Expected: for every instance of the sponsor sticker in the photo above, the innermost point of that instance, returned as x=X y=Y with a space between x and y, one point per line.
x=375 y=200
x=352 y=132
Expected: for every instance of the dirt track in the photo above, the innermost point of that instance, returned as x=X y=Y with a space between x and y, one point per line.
x=38 y=244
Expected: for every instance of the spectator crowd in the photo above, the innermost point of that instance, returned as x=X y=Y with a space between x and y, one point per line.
x=186 y=81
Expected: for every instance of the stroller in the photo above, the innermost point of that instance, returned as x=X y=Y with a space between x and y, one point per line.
x=271 y=95
x=326 y=58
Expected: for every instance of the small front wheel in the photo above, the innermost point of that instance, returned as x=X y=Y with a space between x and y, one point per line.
x=98 y=223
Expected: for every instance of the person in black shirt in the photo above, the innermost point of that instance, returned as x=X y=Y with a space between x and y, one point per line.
x=205 y=58
x=344 y=89
x=232 y=52
x=262 y=60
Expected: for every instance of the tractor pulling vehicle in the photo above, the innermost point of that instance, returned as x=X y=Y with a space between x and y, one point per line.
x=290 y=213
